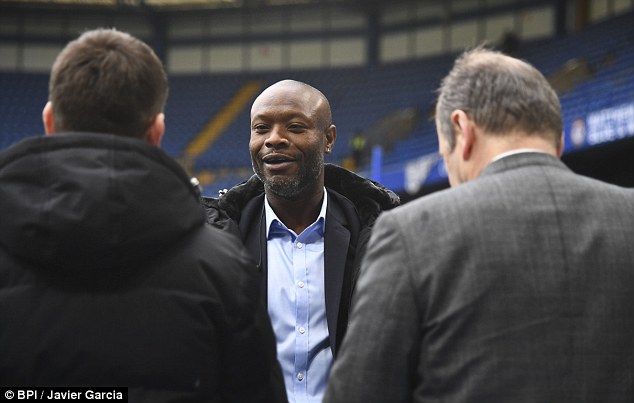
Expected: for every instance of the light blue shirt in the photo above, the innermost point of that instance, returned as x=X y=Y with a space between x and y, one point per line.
x=297 y=305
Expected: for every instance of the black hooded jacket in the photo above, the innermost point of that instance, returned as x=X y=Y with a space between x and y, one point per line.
x=110 y=277
x=354 y=203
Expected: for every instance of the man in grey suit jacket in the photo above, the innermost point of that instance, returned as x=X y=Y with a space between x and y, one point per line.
x=516 y=286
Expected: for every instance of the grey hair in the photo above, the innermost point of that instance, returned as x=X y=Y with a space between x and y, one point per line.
x=501 y=94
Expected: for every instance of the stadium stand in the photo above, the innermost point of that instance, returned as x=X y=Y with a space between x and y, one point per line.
x=213 y=110
x=21 y=103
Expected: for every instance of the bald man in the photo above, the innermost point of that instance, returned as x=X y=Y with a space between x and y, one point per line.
x=515 y=285
x=306 y=224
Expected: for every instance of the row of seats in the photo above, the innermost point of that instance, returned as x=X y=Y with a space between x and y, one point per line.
x=359 y=97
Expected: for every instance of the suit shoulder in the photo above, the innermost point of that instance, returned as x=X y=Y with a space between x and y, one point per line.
x=430 y=202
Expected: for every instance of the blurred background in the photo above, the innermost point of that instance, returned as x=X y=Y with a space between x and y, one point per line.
x=379 y=63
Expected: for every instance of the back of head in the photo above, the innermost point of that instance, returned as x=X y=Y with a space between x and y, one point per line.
x=501 y=94
x=107 y=81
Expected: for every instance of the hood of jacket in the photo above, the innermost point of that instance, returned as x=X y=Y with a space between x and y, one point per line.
x=87 y=201
x=369 y=197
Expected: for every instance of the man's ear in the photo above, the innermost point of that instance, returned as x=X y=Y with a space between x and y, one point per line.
x=331 y=137
x=47 y=119
x=560 y=147
x=154 y=133
x=465 y=132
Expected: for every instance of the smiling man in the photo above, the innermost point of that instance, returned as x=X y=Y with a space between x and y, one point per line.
x=291 y=130
x=307 y=224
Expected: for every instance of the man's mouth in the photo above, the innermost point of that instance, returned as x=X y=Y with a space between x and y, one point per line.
x=276 y=159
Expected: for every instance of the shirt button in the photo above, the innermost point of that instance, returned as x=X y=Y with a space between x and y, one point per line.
x=300 y=245
x=300 y=284
x=302 y=330
x=300 y=377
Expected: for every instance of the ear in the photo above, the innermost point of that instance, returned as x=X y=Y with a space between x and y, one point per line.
x=560 y=146
x=47 y=119
x=154 y=133
x=465 y=132
x=331 y=137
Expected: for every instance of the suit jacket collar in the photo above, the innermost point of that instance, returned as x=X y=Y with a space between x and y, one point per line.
x=336 y=243
x=523 y=159
x=252 y=227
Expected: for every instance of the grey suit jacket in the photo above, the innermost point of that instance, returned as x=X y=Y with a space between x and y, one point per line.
x=515 y=287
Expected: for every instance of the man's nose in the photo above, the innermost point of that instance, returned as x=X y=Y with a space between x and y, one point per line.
x=277 y=138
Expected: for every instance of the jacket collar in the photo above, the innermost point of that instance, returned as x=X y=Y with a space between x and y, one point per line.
x=367 y=196
x=520 y=160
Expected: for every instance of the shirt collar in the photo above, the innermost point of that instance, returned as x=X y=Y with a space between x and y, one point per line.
x=272 y=218
x=518 y=151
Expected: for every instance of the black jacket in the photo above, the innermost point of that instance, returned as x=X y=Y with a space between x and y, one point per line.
x=109 y=276
x=354 y=203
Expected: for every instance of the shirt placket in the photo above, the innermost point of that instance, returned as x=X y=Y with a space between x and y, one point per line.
x=301 y=323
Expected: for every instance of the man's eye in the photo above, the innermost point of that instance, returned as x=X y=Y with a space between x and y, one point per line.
x=296 y=127
x=260 y=128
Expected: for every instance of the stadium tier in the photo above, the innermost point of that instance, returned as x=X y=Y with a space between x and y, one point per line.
x=208 y=115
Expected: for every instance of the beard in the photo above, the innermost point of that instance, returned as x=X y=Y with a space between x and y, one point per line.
x=293 y=186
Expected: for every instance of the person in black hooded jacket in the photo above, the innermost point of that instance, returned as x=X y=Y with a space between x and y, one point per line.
x=295 y=200
x=108 y=274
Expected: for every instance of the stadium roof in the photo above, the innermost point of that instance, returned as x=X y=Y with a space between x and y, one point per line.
x=178 y=4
